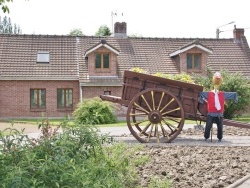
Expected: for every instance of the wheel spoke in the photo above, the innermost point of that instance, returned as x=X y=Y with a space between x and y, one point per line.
x=141 y=108
x=153 y=100
x=139 y=122
x=146 y=102
x=171 y=111
x=167 y=104
x=164 y=132
x=150 y=133
x=155 y=115
x=162 y=95
x=145 y=128
x=157 y=133
x=176 y=120
x=170 y=125
x=137 y=114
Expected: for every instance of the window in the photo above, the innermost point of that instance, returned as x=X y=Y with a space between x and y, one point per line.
x=64 y=98
x=42 y=57
x=37 y=98
x=193 y=61
x=107 y=92
x=102 y=61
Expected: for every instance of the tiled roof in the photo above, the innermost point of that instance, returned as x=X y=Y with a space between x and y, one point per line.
x=152 y=54
x=18 y=55
x=194 y=44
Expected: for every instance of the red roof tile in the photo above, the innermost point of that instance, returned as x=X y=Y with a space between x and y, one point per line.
x=19 y=52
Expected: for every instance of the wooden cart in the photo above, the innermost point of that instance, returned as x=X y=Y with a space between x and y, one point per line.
x=157 y=107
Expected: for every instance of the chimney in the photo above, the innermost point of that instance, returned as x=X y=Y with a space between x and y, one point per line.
x=120 y=30
x=238 y=33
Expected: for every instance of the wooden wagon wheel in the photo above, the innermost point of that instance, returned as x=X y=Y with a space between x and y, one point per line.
x=155 y=115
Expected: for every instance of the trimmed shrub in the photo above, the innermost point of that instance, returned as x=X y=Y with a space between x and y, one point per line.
x=95 y=111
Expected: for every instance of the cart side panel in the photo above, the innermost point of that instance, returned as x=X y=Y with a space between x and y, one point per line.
x=131 y=87
x=190 y=103
x=187 y=93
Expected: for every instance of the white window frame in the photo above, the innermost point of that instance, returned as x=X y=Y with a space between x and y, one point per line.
x=43 y=57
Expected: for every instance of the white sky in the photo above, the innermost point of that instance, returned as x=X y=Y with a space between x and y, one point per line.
x=148 y=18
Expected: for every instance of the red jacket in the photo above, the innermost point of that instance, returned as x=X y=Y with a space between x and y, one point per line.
x=211 y=104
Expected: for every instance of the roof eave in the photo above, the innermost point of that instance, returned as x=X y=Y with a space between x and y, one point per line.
x=100 y=45
x=190 y=47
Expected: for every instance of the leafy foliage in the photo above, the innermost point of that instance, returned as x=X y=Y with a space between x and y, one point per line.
x=5 y=8
x=232 y=82
x=79 y=156
x=7 y=27
x=180 y=77
x=95 y=111
x=103 y=31
x=76 y=32
x=139 y=70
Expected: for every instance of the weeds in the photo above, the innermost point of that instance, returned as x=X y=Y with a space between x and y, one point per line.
x=77 y=156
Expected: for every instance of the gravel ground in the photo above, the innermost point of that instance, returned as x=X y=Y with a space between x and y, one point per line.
x=188 y=161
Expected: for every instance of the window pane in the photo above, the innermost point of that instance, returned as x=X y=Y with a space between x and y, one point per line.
x=105 y=60
x=107 y=92
x=196 y=61
x=33 y=98
x=60 y=98
x=38 y=98
x=42 y=98
x=43 y=57
x=189 y=61
x=69 y=98
x=98 y=61
x=64 y=98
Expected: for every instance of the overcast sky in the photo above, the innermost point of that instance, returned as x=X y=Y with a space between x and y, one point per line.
x=148 y=18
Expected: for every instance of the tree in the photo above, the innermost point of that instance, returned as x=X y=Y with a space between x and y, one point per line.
x=5 y=8
x=7 y=27
x=76 y=32
x=103 y=31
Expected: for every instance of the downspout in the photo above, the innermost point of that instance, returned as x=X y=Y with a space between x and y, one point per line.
x=80 y=87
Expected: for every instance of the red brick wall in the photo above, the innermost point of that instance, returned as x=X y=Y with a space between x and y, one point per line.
x=89 y=92
x=183 y=61
x=15 y=98
x=109 y=72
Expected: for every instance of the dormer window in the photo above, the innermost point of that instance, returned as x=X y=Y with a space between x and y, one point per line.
x=43 y=57
x=193 y=62
x=102 y=61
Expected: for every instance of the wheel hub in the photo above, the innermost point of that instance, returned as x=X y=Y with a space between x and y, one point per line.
x=155 y=117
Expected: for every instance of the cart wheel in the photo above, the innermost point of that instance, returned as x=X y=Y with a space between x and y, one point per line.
x=155 y=115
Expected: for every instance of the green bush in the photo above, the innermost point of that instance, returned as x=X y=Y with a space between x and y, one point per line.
x=95 y=111
x=77 y=157
x=232 y=82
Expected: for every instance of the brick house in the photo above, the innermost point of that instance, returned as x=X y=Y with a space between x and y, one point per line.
x=49 y=75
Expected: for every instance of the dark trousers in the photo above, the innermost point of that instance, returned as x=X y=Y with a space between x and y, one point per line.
x=210 y=121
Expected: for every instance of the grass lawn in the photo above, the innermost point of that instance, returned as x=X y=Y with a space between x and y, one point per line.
x=118 y=124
